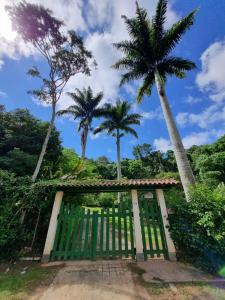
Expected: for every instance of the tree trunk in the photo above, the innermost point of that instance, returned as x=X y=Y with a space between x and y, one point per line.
x=44 y=146
x=184 y=168
x=118 y=155
x=84 y=135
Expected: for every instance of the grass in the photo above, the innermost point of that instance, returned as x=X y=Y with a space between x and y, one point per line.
x=17 y=286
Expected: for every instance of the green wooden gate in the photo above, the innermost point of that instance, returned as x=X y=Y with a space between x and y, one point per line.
x=153 y=235
x=84 y=233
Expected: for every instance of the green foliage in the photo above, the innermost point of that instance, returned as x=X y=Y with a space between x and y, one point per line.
x=85 y=108
x=21 y=138
x=105 y=168
x=156 y=162
x=118 y=121
x=208 y=162
x=167 y=175
x=17 y=196
x=147 y=53
x=198 y=227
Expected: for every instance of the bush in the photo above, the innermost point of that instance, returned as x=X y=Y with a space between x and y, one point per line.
x=198 y=227
x=16 y=196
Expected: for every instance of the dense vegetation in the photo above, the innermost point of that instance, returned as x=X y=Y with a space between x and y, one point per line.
x=31 y=150
x=21 y=137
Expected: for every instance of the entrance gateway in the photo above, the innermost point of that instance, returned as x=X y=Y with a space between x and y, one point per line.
x=136 y=228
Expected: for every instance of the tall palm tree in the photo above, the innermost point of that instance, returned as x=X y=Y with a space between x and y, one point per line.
x=147 y=56
x=85 y=108
x=117 y=123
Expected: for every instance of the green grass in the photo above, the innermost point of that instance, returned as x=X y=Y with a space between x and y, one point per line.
x=15 y=285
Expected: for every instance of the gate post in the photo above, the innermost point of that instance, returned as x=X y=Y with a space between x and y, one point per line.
x=137 y=226
x=169 y=241
x=52 y=227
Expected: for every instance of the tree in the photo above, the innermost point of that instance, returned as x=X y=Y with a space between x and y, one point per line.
x=147 y=57
x=117 y=123
x=65 y=56
x=85 y=108
x=21 y=138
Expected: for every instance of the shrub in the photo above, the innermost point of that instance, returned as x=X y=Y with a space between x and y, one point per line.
x=16 y=196
x=198 y=227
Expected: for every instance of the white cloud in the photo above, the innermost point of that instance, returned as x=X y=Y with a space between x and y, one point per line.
x=212 y=77
x=11 y=44
x=182 y=118
x=103 y=16
x=162 y=144
x=95 y=136
x=3 y=94
x=193 y=100
x=194 y=138
x=212 y=115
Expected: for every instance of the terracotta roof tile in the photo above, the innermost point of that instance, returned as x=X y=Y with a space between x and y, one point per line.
x=113 y=183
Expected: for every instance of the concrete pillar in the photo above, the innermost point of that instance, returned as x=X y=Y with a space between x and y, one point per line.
x=169 y=241
x=52 y=227
x=137 y=226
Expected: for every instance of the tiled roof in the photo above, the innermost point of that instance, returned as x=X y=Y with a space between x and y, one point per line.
x=129 y=183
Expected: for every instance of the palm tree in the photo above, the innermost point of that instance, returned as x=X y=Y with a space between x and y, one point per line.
x=117 y=123
x=85 y=108
x=147 y=56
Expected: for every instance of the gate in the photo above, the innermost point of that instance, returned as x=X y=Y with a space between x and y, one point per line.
x=85 y=233
x=152 y=230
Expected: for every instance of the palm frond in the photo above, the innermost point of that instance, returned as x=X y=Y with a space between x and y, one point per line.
x=174 y=34
x=176 y=66
x=159 y=19
x=130 y=130
x=145 y=88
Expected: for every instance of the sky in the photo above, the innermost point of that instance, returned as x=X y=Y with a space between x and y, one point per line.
x=197 y=102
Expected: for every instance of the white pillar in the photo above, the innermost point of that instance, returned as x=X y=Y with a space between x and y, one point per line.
x=137 y=227
x=169 y=241
x=52 y=227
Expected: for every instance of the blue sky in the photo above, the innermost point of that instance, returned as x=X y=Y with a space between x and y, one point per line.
x=197 y=102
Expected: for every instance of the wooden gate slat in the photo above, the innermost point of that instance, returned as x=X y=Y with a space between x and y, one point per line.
x=119 y=231
x=86 y=241
x=125 y=229
x=142 y=229
x=107 y=232
x=81 y=224
x=113 y=231
x=74 y=237
x=131 y=229
x=101 y=233
x=147 y=217
x=155 y=228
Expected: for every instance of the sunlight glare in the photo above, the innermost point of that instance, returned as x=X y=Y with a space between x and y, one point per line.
x=6 y=26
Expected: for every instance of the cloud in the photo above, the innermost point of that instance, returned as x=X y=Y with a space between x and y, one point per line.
x=193 y=100
x=194 y=138
x=162 y=144
x=102 y=25
x=3 y=94
x=212 y=77
x=210 y=116
x=95 y=136
x=182 y=118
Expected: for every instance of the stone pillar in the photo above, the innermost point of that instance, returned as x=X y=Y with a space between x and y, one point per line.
x=52 y=227
x=137 y=226
x=169 y=241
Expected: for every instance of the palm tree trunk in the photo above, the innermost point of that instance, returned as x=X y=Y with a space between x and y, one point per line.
x=184 y=168
x=44 y=146
x=118 y=155
x=84 y=142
